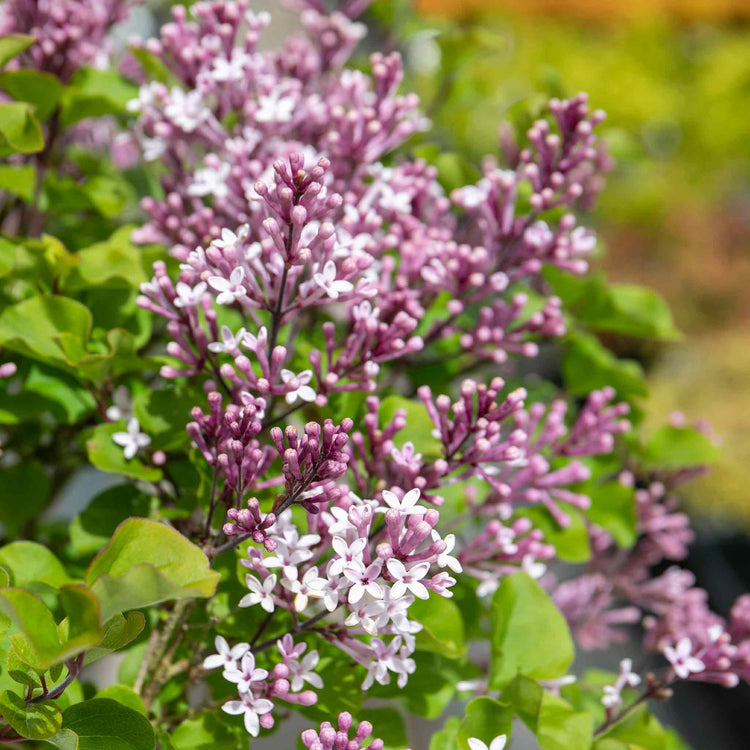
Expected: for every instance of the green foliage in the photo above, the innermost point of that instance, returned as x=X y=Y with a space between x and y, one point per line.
x=529 y=634
x=678 y=448
x=37 y=721
x=146 y=563
x=20 y=131
x=12 y=45
x=41 y=90
x=486 y=718
x=443 y=627
x=104 y=724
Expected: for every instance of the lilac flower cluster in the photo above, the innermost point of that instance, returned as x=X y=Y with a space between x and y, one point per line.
x=328 y=738
x=69 y=33
x=313 y=266
x=621 y=588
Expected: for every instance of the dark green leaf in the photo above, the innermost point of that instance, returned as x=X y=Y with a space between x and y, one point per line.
x=104 y=724
x=24 y=493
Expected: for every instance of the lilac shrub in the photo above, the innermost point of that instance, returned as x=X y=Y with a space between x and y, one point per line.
x=343 y=433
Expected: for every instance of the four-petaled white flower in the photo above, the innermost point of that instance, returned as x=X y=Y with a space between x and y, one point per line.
x=186 y=110
x=229 y=343
x=310 y=585
x=260 y=592
x=410 y=579
x=225 y=657
x=303 y=671
x=406 y=456
x=230 y=289
x=682 y=660
x=472 y=196
x=230 y=239
x=245 y=674
x=346 y=553
x=327 y=281
x=232 y=69
x=363 y=580
x=252 y=708
x=445 y=559
x=407 y=506
x=497 y=744
x=303 y=391
x=274 y=108
x=132 y=440
x=211 y=181
x=188 y=296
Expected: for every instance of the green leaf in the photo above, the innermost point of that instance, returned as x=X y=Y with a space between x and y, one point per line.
x=529 y=634
x=555 y=723
x=418 y=428
x=163 y=415
x=95 y=93
x=571 y=542
x=124 y=695
x=639 y=728
x=20 y=131
x=41 y=90
x=612 y=508
x=154 y=67
x=36 y=721
x=82 y=626
x=29 y=562
x=104 y=724
x=342 y=688
x=618 y=308
x=447 y=737
x=12 y=45
x=37 y=643
x=24 y=493
x=443 y=626
x=486 y=718
x=106 y=455
x=19 y=180
x=115 y=262
x=678 y=448
x=146 y=563
x=34 y=326
x=206 y=732
x=7 y=248
x=93 y=528
x=118 y=632
x=588 y=366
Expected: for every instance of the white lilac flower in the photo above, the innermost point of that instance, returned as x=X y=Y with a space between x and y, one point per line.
x=406 y=456
x=188 y=296
x=445 y=559
x=532 y=567
x=230 y=289
x=254 y=342
x=187 y=111
x=229 y=239
x=363 y=580
x=153 y=148
x=211 y=181
x=245 y=674
x=232 y=69
x=346 y=553
x=681 y=658
x=383 y=658
x=303 y=391
x=260 y=592
x=407 y=506
x=225 y=657
x=132 y=440
x=252 y=707
x=472 y=196
x=229 y=343
x=275 y=108
x=327 y=281
x=410 y=579
x=310 y=585
x=497 y=744
x=302 y=671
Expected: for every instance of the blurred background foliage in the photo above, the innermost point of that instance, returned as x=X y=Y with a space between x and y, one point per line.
x=674 y=78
